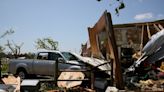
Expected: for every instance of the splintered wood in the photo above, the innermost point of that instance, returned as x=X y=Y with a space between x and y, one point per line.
x=70 y=76
x=11 y=80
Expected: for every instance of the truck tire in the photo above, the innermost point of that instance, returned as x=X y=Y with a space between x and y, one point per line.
x=21 y=72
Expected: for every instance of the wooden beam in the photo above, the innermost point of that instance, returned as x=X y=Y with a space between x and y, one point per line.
x=160 y=26
x=114 y=52
x=142 y=38
x=148 y=31
x=156 y=27
x=105 y=25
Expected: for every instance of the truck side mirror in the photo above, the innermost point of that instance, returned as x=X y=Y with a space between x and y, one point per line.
x=61 y=60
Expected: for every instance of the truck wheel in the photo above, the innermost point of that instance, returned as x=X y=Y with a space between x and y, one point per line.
x=22 y=73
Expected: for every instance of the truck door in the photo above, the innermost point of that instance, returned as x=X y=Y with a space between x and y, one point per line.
x=53 y=57
x=42 y=65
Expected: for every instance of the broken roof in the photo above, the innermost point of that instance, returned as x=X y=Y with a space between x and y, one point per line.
x=138 y=23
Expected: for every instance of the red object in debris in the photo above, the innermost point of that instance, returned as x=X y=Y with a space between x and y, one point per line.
x=160 y=75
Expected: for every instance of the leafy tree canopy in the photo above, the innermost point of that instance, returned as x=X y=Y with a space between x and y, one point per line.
x=46 y=43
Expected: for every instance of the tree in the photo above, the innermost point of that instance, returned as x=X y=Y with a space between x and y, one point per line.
x=7 y=32
x=29 y=55
x=119 y=7
x=2 y=49
x=2 y=54
x=15 y=48
x=46 y=43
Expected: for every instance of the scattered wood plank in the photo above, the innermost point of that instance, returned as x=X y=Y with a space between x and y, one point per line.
x=11 y=80
x=70 y=76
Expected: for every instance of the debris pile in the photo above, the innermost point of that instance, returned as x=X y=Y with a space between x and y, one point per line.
x=151 y=85
x=11 y=84
x=70 y=76
x=147 y=73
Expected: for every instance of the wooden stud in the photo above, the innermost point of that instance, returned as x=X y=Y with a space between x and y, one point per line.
x=148 y=31
x=142 y=38
x=156 y=27
x=160 y=26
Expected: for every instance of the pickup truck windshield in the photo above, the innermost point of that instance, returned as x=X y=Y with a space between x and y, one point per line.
x=69 y=56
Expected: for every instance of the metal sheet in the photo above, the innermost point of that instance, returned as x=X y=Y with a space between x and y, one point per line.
x=95 y=62
x=156 y=56
x=31 y=82
x=155 y=42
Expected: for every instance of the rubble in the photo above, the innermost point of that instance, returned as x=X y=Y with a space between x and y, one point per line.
x=148 y=71
x=138 y=45
x=151 y=85
x=73 y=89
x=111 y=89
x=144 y=75
x=11 y=83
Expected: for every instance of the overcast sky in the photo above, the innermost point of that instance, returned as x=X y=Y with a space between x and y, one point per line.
x=67 y=21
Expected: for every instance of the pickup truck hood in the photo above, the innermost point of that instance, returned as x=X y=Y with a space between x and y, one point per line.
x=95 y=62
x=75 y=62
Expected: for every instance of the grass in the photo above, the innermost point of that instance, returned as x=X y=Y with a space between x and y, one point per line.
x=4 y=68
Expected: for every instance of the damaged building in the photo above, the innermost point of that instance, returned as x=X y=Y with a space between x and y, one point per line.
x=130 y=39
x=123 y=43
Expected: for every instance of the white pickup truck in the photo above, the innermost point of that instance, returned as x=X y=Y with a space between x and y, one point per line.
x=44 y=63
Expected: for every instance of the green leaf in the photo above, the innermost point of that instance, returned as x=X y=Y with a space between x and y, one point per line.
x=47 y=43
